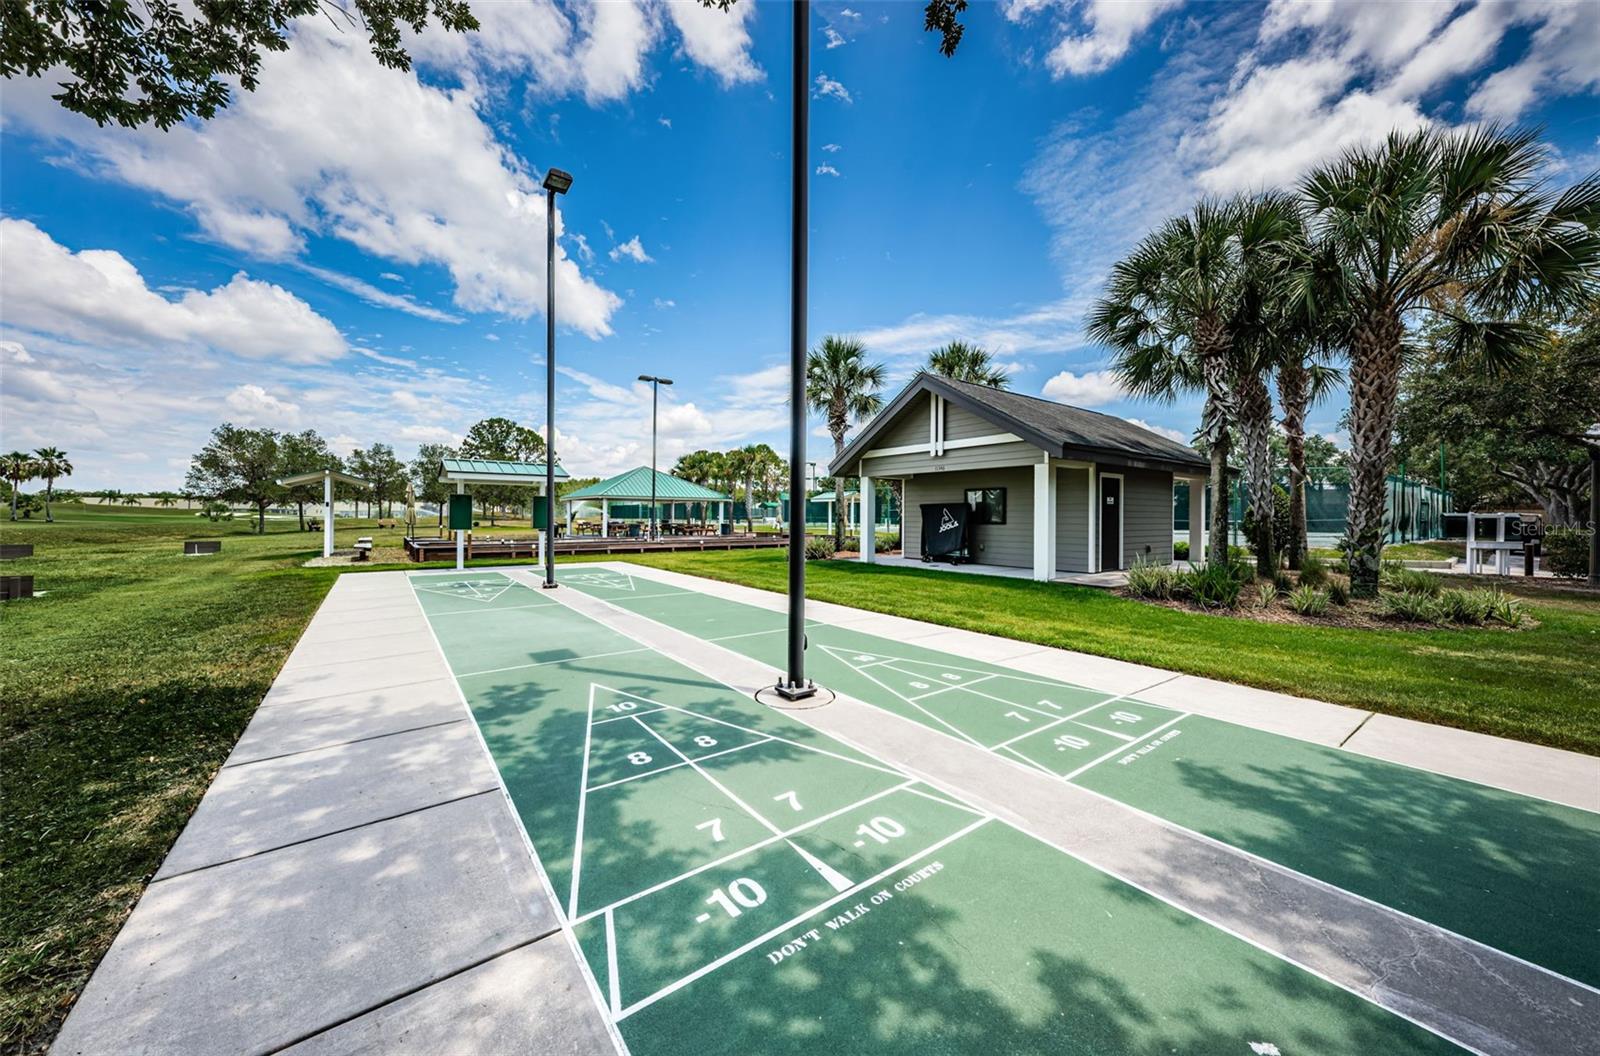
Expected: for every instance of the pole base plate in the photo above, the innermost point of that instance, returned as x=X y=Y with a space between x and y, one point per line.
x=795 y=698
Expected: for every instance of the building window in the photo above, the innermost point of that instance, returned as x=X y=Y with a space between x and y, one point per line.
x=988 y=505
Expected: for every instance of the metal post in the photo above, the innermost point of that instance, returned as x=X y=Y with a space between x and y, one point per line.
x=550 y=388
x=655 y=395
x=1594 y=514
x=794 y=685
x=327 y=513
x=461 y=535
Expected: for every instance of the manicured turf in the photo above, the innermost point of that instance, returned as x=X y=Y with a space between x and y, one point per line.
x=1512 y=872
x=1540 y=685
x=739 y=882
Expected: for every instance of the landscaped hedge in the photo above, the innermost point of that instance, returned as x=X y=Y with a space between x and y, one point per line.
x=1566 y=552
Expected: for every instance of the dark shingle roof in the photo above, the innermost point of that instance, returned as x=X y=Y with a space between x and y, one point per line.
x=1062 y=430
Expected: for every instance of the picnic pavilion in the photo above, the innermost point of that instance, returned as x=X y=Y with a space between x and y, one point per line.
x=631 y=492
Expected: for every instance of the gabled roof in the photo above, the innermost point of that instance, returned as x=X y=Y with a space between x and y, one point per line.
x=316 y=477
x=494 y=471
x=634 y=486
x=1065 y=432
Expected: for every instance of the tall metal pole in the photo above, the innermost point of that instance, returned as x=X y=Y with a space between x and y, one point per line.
x=550 y=389
x=1594 y=513
x=794 y=685
x=655 y=394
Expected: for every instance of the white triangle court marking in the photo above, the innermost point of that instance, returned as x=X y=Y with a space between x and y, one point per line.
x=583 y=802
x=836 y=880
x=885 y=659
x=477 y=593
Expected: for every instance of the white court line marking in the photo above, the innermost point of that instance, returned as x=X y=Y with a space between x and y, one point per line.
x=956 y=730
x=944 y=688
x=675 y=766
x=573 y=945
x=885 y=659
x=758 y=733
x=627 y=715
x=731 y=855
x=718 y=785
x=836 y=880
x=1122 y=749
x=1064 y=718
x=649 y=597
x=1003 y=700
x=786 y=925
x=746 y=634
x=611 y=964
x=485 y=612
x=947 y=802
x=583 y=801
x=1108 y=733
x=547 y=663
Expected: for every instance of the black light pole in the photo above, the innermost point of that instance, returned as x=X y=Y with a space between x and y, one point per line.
x=655 y=392
x=555 y=182
x=1594 y=505
x=794 y=685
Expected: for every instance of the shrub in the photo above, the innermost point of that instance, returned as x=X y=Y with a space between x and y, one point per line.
x=1502 y=607
x=1266 y=594
x=1410 y=605
x=886 y=542
x=818 y=548
x=1147 y=579
x=1215 y=586
x=1282 y=581
x=1309 y=601
x=1339 y=590
x=1397 y=577
x=1180 y=550
x=1313 y=571
x=1566 y=552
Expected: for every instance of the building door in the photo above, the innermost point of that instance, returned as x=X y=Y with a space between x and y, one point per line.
x=1110 y=523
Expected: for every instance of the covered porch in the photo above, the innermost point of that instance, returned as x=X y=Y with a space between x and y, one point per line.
x=1110 y=580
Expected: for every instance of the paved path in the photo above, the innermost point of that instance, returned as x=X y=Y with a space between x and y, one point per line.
x=354 y=880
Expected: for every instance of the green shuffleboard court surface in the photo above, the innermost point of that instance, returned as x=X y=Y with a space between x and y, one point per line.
x=738 y=882
x=1510 y=871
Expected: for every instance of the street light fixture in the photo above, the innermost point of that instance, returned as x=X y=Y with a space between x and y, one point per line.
x=655 y=392
x=555 y=182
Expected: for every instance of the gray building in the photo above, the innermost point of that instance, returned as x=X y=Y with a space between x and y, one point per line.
x=1053 y=488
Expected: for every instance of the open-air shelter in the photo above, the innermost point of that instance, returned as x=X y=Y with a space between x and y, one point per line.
x=329 y=478
x=633 y=488
x=496 y=472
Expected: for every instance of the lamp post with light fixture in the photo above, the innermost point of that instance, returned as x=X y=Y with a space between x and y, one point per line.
x=555 y=182
x=655 y=392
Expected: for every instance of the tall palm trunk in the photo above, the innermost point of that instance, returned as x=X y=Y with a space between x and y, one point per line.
x=1255 y=428
x=838 y=425
x=1211 y=343
x=49 y=489
x=1294 y=395
x=1375 y=360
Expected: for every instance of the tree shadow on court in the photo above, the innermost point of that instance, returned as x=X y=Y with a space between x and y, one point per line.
x=910 y=980
x=1510 y=871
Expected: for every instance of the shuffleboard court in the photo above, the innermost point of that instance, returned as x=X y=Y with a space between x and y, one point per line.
x=1509 y=871
x=738 y=882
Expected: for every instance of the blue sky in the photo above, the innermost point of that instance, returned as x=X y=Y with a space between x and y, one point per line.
x=361 y=251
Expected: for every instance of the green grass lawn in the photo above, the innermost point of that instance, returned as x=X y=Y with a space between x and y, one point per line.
x=124 y=686
x=1541 y=684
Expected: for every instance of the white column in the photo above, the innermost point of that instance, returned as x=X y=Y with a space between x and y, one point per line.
x=327 y=514
x=1197 y=520
x=605 y=518
x=569 y=516
x=831 y=505
x=869 y=522
x=722 y=515
x=461 y=535
x=1094 y=520
x=1044 y=521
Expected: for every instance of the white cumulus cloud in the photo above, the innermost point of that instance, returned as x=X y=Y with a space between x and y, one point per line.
x=1090 y=389
x=633 y=249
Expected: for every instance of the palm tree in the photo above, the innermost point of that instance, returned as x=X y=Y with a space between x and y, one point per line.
x=1183 y=308
x=842 y=386
x=18 y=467
x=963 y=362
x=167 y=499
x=1457 y=226
x=51 y=463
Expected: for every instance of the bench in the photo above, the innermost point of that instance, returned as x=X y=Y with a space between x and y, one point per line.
x=193 y=547
x=364 y=548
x=13 y=587
x=13 y=551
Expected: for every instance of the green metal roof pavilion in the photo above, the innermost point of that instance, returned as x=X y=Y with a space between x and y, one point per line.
x=634 y=486
x=493 y=471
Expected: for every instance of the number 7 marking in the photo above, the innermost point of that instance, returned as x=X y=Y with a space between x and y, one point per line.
x=794 y=800
x=715 y=825
x=1018 y=716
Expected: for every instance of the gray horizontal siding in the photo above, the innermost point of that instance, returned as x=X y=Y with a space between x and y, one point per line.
x=1072 y=520
x=989 y=456
x=1146 y=516
x=961 y=424
x=909 y=427
x=997 y=544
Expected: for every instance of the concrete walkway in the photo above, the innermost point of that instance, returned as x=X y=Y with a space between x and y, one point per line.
x=353 y=881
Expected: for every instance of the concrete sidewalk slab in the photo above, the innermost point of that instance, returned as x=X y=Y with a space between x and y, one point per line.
x=531 y=1000
x=257 y=954
x=311 y=652
x=255 y=807
x=1261 y=709
x=1534 y=770
x=345 y=629
x=308 y=681
x=320 y=722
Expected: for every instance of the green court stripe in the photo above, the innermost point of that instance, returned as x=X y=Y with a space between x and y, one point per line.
x=786 y=925
x=489 y=607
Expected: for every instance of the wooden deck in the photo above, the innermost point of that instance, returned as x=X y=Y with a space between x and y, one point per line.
x=429 y=549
